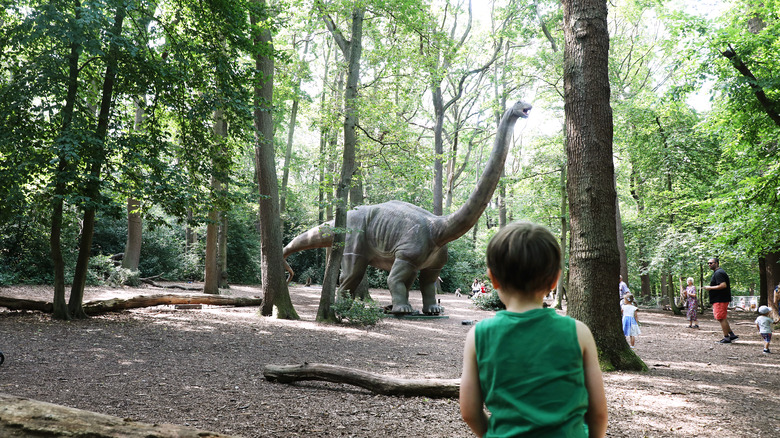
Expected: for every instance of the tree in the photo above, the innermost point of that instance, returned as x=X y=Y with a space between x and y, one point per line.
x=275 y=292
x=594 y=260
x=351 y=50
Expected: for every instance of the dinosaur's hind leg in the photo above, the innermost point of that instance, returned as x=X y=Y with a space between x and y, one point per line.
x=353 y=269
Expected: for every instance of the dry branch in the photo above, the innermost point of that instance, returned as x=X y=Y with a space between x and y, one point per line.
x=21 y=417
x=115 y=304
x=435 y=388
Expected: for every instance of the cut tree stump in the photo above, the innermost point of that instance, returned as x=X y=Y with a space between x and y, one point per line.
x=385 y=385
x=23 y=418
x=115 y=304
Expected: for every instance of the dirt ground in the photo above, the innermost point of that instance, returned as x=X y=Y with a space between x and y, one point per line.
x=204 y=368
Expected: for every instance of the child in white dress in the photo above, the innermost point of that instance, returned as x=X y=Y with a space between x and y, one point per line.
x=630 y=321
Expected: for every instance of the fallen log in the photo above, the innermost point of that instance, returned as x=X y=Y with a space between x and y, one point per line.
x=167 y=286
x=385 y=385
x=98 y=307
x=21 y=418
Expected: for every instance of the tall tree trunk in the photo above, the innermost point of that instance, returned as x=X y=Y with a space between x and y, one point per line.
x=60 y=183
x=621 y=242
x=564 y=246
x=773 y=280
x=644 y=265
x=190 y=234
x=132 y=257
x=211 y=267
x=352 y=51
x=211 y=277
x=594 y=259
x=222 y=253
x=93 y=186
x=672 y=294
x=275 y=291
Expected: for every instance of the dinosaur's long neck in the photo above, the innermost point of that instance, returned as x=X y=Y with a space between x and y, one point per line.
x=461 y=221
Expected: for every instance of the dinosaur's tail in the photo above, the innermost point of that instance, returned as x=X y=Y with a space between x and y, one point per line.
x=320 y=236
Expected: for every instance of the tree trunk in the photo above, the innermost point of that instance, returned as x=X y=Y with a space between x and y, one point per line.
x=22 y=418
x=594 y=258
x=132 y=256
x=60 y=183
x=564 y=247
x=275 y=291
x=222 y=270
x=352 y=51
x=763 y=283
x=773 y=280
x=93 y=185
x=385 y=385
x=672 y=294
x=211 y=274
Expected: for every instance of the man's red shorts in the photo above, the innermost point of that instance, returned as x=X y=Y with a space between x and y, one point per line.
x=719 y=310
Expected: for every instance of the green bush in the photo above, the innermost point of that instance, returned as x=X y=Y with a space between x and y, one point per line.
x=489 y=301
x=357 y=312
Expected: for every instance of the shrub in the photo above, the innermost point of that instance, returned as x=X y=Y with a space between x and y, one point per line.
x=489 y=301
x=357 y=312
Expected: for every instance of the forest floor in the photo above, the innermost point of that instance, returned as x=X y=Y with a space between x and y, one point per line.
x=204 y=368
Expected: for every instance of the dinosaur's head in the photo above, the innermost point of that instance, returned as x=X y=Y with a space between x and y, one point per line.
x=521 y=109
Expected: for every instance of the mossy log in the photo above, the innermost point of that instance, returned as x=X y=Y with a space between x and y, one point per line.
x=116 y=304
x=22 y=418
x=385 y=385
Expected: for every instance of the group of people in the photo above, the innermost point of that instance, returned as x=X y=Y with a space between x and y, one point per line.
x=720 y=296
x=477 y=288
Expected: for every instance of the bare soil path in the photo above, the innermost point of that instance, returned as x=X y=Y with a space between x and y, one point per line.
x=204 y=368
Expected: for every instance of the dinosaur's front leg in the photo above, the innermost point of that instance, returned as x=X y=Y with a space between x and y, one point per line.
x=399 y=281
x=428 y=280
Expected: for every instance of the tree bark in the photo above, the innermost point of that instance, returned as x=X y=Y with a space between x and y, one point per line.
x=594 y=258
x=385 y=385
x=21 y=418
x=275 y=291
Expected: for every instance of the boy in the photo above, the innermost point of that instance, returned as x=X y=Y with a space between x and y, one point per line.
x=536 y=372
x=764 y=326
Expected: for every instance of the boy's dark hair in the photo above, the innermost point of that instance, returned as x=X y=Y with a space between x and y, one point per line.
x=524 y=256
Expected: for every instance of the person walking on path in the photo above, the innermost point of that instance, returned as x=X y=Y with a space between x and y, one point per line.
x=689 y=295
x=536 y=372
x=764 y=326
x=622 y=288
x=630 y=320
x=720 y=297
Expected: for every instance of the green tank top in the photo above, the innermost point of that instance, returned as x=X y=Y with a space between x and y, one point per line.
x=531 y=374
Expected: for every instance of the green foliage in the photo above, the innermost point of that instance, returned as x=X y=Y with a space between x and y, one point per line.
x=357 y=312
x=489 y=301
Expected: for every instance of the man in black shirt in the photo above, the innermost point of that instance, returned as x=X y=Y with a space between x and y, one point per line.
x=720 y=297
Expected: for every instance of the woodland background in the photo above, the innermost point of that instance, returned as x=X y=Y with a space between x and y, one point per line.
x=134 y=127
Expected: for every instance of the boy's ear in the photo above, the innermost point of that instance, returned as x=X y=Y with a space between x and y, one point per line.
x=555 y=283
x=496 y=284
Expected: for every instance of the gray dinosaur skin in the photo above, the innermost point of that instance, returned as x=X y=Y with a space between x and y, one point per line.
x=405 y=239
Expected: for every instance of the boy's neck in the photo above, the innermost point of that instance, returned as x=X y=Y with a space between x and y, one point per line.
x=519 y=303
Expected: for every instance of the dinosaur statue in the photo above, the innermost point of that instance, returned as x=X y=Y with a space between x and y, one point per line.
x=405 y=239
